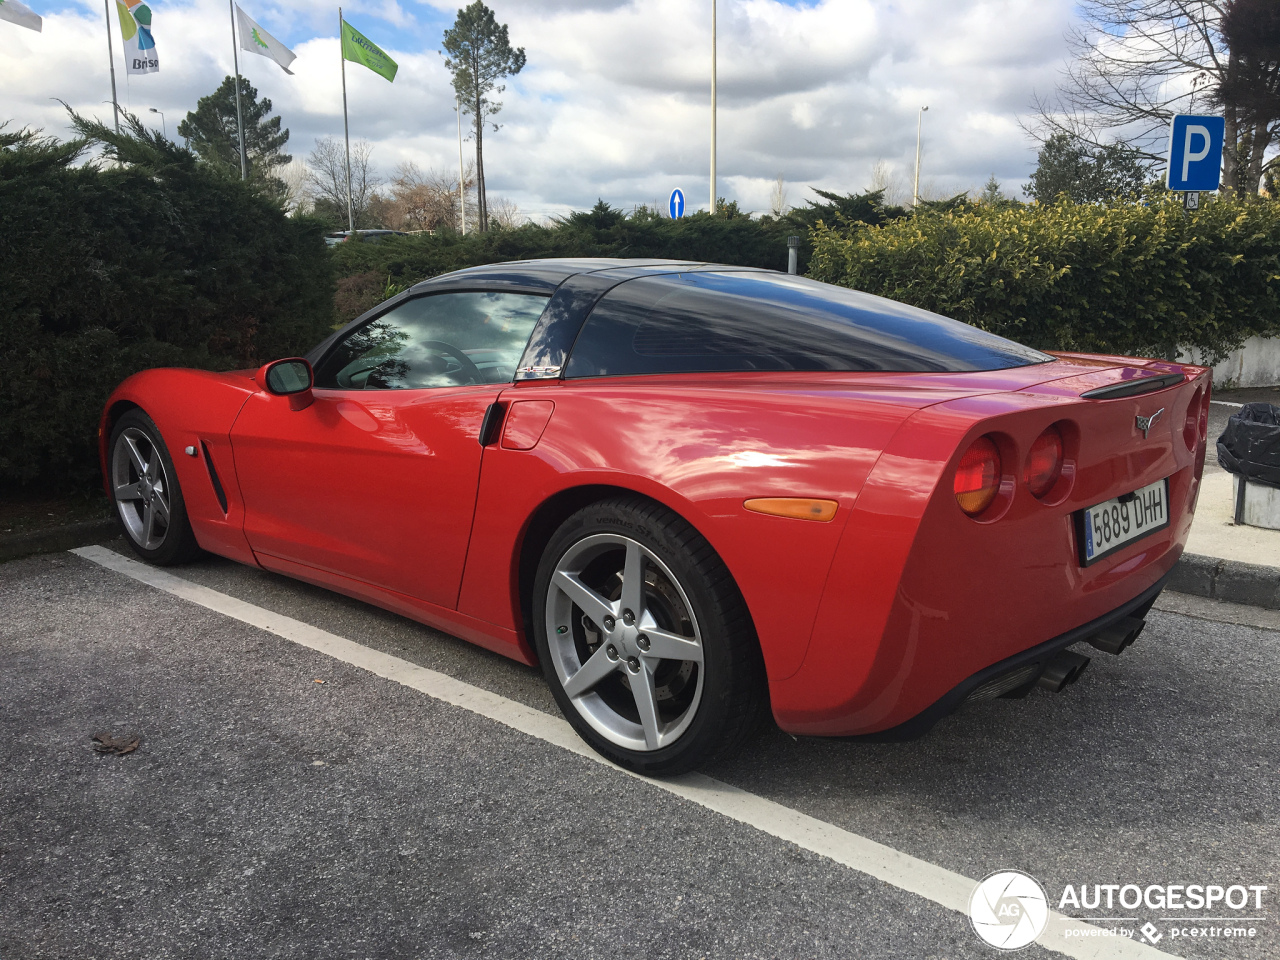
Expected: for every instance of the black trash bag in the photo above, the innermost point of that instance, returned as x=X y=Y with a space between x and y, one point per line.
x=1250 y=444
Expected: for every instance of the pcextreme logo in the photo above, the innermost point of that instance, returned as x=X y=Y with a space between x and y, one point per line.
x=1010 y=910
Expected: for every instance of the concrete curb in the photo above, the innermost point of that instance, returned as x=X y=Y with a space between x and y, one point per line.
x=55 y=539
x=1227 y=580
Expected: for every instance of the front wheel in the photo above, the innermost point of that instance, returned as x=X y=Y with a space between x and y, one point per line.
x=645 y=639
x=144 y=489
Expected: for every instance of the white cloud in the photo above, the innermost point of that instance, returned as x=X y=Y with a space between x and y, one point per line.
x=614 y=102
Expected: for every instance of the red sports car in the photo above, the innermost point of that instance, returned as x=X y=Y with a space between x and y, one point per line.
x=689 y=492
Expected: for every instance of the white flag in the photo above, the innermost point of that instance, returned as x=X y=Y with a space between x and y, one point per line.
x=256 y=40
x=135 y=31
x=15 y=12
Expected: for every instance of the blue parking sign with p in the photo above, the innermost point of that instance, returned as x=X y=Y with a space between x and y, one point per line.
x=1195 y=153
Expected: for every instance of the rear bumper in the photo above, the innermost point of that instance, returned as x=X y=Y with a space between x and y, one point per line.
x=1029 y=661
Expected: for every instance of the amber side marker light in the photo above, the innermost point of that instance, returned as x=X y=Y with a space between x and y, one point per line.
x=794 y=508
x=1044 y=463
x=978 y=476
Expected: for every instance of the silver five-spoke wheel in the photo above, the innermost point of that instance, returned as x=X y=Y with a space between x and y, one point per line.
x=624 y=642
x=146 y=492
x=141 y=487
x=644 y=638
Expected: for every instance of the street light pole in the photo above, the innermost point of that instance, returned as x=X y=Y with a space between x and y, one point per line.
x=713 y=107
x=462 y=182
x=163 y=128
x=915 y=202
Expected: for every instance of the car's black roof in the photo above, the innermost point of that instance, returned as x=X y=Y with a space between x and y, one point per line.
x=754 y=318
x=549 y=274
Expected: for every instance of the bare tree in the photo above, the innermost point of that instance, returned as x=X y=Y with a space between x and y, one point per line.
x=425 y=201
x=778 y=205
x=505 y=215
x=327 y=176
x=896 y=192
x=1139 y=62
x=298 y=193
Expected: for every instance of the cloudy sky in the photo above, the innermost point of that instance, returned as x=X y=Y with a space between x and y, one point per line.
x=615 y=99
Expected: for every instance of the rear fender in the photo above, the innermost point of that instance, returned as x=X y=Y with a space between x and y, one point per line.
x=922 y=596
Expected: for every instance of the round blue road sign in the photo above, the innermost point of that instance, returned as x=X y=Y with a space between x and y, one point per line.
x=675 y=206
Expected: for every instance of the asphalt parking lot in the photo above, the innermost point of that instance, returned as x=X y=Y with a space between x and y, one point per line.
x=284 y=803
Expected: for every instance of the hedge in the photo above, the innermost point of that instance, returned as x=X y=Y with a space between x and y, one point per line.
x=1129 y=278
x=143 y=258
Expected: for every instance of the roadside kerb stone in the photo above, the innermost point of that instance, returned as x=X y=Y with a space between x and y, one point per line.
x=55 y=539
x=1227 y=580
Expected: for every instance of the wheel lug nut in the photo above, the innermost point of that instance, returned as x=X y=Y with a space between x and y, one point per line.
x=611 y=652
x=633 y=664
x=642 y=642
x=609 y=623
x=628 y=617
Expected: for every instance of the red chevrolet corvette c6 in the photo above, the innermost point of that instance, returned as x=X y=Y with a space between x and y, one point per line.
x=690 y=492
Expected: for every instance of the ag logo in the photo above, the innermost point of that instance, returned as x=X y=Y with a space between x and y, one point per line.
x=1008 y=909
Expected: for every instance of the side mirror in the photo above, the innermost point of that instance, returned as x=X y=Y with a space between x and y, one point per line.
x=290 y=378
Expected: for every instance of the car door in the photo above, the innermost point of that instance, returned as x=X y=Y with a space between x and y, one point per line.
x=376 y=479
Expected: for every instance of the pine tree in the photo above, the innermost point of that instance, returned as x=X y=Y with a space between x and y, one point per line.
x=210 y=130
x=479 y=55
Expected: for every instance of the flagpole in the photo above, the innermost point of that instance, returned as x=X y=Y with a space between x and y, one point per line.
x=235 y=59
x=462 y=190
x=346 y=128
x=111 y=59
x=713 y=107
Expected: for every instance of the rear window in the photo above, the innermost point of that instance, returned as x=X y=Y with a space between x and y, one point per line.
x=709 y=322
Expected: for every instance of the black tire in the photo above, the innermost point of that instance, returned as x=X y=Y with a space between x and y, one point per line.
x=688 y=594
x=167 y=540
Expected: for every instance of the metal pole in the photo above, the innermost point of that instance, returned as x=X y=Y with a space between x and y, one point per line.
x=915 y=194
x=235 y=59
x=462 y=190
x=346 y=128
x=713 y=107
x=111 y=59
x=793 y=254
x=163 y=128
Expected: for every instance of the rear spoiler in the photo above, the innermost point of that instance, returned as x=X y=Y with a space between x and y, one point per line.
x=1134 y=388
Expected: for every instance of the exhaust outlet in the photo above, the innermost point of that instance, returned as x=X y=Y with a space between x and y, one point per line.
x=1062 y=671
x=1118 y=636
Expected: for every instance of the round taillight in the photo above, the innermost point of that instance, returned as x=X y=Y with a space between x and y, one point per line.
x=1044 y=463
x=978 y=476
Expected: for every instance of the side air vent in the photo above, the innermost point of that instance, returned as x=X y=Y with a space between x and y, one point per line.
x=1134 y=388
x=213 y=478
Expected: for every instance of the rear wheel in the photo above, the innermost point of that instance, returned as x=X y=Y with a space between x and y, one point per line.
x=644 y=638
x=144 y=488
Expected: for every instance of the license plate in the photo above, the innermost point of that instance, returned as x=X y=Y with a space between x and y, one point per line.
x=1106 y=527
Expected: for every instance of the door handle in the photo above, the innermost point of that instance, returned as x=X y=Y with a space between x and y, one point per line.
x=491 y=425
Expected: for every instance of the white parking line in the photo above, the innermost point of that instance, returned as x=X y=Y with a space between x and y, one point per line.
x=1227 y=403
x=927 y=880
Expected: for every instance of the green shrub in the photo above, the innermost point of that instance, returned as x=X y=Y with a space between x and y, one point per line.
x=112 y=267
x=1129 y=278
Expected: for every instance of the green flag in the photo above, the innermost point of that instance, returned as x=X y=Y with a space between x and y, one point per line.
x=358 y=48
